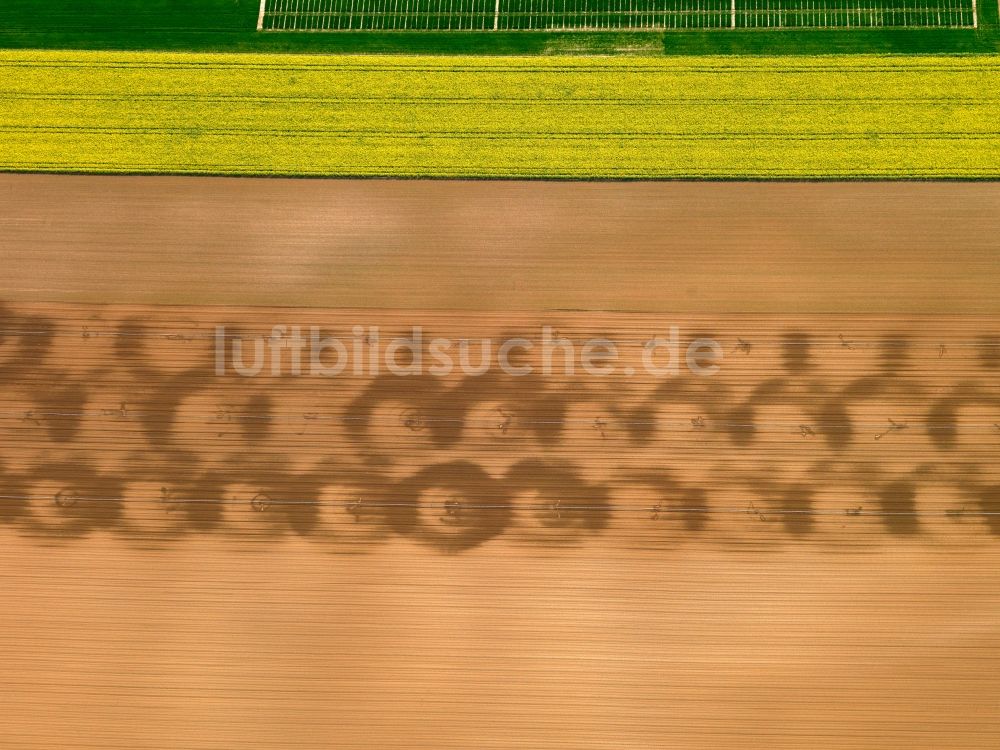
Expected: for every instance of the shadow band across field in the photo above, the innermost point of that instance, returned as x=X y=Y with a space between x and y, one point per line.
x=120 y=419
x=822 y=428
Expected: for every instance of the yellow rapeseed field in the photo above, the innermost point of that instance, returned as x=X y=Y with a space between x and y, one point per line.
x=712 y=117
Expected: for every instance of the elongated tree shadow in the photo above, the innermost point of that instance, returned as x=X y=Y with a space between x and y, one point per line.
x=566 y=503
x=81 y=500
x=59 y=406
x=673 y=499
x=15 y=502
x=989 y=505
x=897 y=503
x=741 y=421
x=835 y=424
x=25 y=342
x=793 y=503
x=468 y=506
x=988 y=350
x=894 y=353
x=796 y=352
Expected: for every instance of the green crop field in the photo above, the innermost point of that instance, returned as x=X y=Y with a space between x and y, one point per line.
x=706 y=117
x=591 y=15
x=646 y=27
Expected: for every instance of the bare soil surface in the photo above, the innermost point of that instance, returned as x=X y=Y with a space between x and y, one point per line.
x=800 y=550
x=656 y=247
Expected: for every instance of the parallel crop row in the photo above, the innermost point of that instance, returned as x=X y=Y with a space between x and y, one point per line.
x=690 y=117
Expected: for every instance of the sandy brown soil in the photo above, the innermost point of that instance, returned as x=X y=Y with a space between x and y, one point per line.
x=664 y=247
x=799 y=551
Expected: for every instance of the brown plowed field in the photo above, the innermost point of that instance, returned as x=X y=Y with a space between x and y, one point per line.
x=798 y=551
